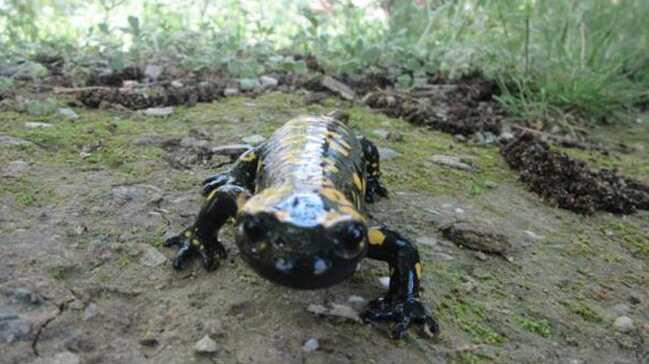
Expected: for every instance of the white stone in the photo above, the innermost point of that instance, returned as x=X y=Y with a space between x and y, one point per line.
x=152 y=257
x=268 y=82
x=452 y=162
x=623 y=324
x=159 y=111
x=311 y=345
x=231 y=91
x=36 y=125
x=90 y=311
x=385 y=282
x=68 y=113
x=206 y=346
x=427 y=241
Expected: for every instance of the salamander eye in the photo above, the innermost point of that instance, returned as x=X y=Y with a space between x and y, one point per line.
x=254 y=228
x=351 y=237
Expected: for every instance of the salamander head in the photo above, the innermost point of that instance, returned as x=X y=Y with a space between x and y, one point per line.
x=301 y=240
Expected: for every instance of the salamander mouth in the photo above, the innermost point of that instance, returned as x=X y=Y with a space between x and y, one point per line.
x=302 y=271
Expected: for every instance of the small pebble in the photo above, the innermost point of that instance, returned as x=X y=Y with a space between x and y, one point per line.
x=623 y=324
x=231 y=91
x=311 y=345
x=481 y=256
x=159 y=111
x=459 y=138
x=206 y=346
x=90 y=312
x=36 y=125
x=68 y=113
x=385 y=282
x=426 y=241
x=635 y=299
x=268 y=82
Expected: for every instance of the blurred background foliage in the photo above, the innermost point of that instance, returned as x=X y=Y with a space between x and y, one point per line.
x=552 y=58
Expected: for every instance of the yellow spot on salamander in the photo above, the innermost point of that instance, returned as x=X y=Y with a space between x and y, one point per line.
x=211 y=195
x=376 y=236
x=248 y=156
x=357 y=181
x=335 y=196
x=241 y=200
x=188 y=234
x=340 y=149
x=195 y=242
x=331 y=169
x=418 y=269
x=347 y=210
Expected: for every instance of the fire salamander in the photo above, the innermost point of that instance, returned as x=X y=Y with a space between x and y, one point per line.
x=298 y=201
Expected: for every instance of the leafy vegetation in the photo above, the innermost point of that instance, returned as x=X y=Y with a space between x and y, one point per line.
x=569 y=59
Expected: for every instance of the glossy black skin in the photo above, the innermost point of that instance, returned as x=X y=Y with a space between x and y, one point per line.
x=299 y=202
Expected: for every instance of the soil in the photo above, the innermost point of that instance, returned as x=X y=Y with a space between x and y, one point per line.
x=86 y=204
x=145 y=96
x=463 y=107
x=570 y=183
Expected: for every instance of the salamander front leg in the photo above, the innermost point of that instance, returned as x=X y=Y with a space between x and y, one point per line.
x=200 y=239
x=401 y=303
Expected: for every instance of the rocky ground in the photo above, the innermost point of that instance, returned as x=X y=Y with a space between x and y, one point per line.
x=88 y=195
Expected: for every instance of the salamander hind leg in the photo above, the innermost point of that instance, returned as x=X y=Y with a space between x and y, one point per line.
x=401 y=304
x=372 y=168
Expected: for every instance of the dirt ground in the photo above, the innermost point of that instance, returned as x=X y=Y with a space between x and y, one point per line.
x=85 y=204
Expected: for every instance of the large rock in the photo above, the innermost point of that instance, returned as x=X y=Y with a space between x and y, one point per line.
x=481 y=236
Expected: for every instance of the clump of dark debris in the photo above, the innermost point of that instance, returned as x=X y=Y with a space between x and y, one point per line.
x=462 y=107
x=140 y=96
x=570 y=183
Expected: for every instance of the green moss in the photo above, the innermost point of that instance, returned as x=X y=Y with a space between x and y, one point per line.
x=539 y=327
x=583 y=310
x=632 y=237
x=60 y=272
x=471 y=317
x=28 y=192
x=471 y=358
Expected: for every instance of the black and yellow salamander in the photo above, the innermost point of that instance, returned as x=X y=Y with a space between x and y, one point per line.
x=299 y=206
